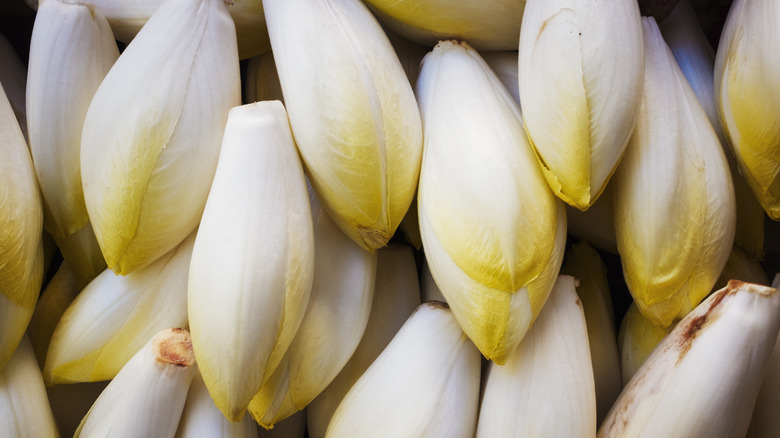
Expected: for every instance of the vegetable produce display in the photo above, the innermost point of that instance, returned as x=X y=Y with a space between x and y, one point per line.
x=394 y=219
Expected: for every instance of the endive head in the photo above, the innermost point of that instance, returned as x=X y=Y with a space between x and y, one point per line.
x=352 y=113
x=748 y=95
x=673 y=195
x=492 y=230
x=580 y=68
x=637 y=338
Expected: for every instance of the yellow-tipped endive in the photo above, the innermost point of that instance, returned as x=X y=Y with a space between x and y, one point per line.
x=69 y=403
x=127 y=309
x=748 y=95
x=55 y=299
x=637 y=338
x=493 y=231
x=694 y=55
x=21 y=227
x=262 y=82
x=253 y=262
x=396 y=295
x=152 y=133
x=24 y=406
x=764 y=423
x=293 y=427
x=741 y=266
x=128 y=16
x=340 y=302
x=580 y=70
x=352 y=112
x=673 y=196
x=147 y=397
x=434 y=395
x=82 y=252
x=201 y=418
x=703 y=378
x=596 y=224
x=546 y=387
x=584 y=264
x=486 y=27
x=504 y=65
x=429 y=290
x=71 y=51
x=13 y=78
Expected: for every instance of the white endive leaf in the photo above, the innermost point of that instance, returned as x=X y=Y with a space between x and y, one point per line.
x=147 y=397
x=21 y=226
x=334 y=322
x=580 y=77
x=504 y=65
x=253 y=261
x=115 y=315
x=584 y=264
x=673 y=196
x=637 y=338
x=352 y=112
x=694 y=56
x=764 y=423
x=486 y=26
x=24 y=406
x=152 y=133
x=13 y=78
x=493 y=231
x=434 y=395
x=71 y=50
x=748 y=94
x=396 y=295
x=550 y=369
x=703 y=378
x=202 y=419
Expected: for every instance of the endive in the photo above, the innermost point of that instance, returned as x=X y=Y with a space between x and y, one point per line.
x=201 y=418
x=71 y=51
x=152 y=133
x=673 y=196
x=24 y=406
x=493 y=26
x=504 y=65
x=550 y=369
x=694 y=55
x=115 y=315
x=748 y=95
x=580 y=70
x=21 y=226
x=352 y=112
x=147 y=397
x=584 y=264
x=253 y=262
x=681 y=391
x=764 y=422
x=492 y=230
x=434 y=395
x=396 y=295
x=340 y=302
x=637 y=338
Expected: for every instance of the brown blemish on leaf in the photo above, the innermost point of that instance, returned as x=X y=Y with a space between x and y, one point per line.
x=174 y=346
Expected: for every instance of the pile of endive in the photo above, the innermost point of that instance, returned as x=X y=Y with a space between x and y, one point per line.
x=389 y=218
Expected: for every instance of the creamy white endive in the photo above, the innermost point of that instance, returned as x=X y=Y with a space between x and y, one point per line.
x=396 y=295
x=492 y=230
x=546 y=387
x=434 y=395
x=703 y=378
x=201 y=418
x=748 y=95
x=580 y=68
x=21 y=225
x=486 y=26
x=152 y=133
x=694 y=56
x=253 y=261
x=334 y=322
x=115 y=315
x=147 y=397
x=584 y=264
x=637 y=338
x=673 y=196
x=352 y=112
x=24 y=406
x=128 y=16
x=71 y=51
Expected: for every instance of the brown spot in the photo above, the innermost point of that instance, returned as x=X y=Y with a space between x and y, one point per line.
x=373 y=238
x=174 y=346
x=578 y=302
x=437 y=304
